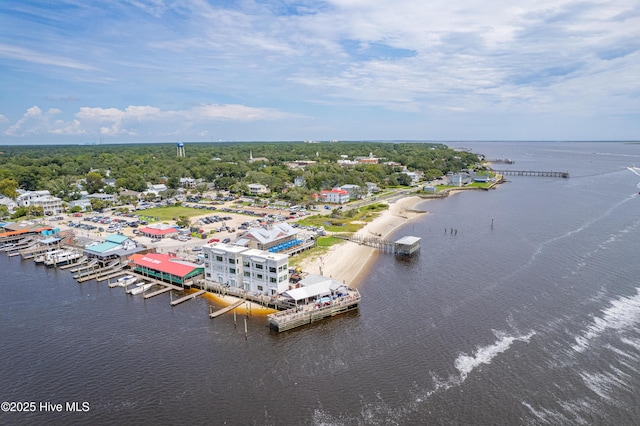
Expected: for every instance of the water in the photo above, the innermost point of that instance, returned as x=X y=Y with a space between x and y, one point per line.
x=533 y=321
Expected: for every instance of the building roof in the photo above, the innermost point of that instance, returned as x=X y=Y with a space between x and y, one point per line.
x=264 y=235
x=408 y=240
x=165 y=263
x=116 y=238
x=334 y=191
x=158 y=230
x=314 y=286
x=102 y=247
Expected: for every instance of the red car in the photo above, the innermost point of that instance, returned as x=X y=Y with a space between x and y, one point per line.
x=213 y=240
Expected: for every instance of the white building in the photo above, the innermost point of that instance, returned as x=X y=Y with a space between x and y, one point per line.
x=267 y=238
x=6 y=201
x=156 y=189
x=110 y=198
x=252 y=270
x=264 y=272
x=188 y=182
x=50 y=205
x=354 y=191
x=257 y=189
x=335 y=195
x=223 y=263
x=83 y=203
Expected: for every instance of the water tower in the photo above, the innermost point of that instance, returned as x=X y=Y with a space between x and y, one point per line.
x=180 y=149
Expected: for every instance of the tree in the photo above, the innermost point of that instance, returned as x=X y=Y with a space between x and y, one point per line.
x=93 y=182
x=98 y=204
x=64 y=187
x=8 y=187
x=183 y=222
x=201 y=189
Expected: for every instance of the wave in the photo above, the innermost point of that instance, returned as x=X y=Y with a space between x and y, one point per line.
x=623 y=314
x=465 y=364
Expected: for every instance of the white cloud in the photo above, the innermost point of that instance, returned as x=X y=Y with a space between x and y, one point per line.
x=28 y=55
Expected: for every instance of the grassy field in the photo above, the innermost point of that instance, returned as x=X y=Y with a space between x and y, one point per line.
x=171 y=212
x=349 y=221
x=324 y=243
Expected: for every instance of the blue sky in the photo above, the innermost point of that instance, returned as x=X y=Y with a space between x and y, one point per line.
x=79 y=71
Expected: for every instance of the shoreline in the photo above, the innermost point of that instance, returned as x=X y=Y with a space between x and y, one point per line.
x=345 y=262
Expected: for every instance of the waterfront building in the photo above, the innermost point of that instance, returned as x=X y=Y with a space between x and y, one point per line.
x=83 y=203
x=166 y=267
x=114 y=246
x=223 y=263
x=265 y=272
x=257 y=271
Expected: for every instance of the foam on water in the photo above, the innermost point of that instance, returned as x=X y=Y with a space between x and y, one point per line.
x=623 y=314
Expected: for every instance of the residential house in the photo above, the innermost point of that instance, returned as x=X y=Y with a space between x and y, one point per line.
x=355 y=192
x=336 y=196
x=257 y=189
x=50 y=205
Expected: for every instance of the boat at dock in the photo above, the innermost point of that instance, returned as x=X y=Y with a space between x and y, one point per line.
x=126 y=280
x=63 y=258
x=141 y=288
x=47 y=256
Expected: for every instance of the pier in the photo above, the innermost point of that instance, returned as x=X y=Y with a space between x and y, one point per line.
x=227 y=309
x=532 y=173
x=188 y=297
x=404 y=246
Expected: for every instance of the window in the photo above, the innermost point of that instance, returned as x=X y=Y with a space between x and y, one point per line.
x=206 y=264
x=246 y=264
x=232 y=261
x=208 y=274
x=219 y=258
x=272 y=279
x=272 y=269
x=232 y=270
x=247 y=274
x=260 y=276
x=259 y=288
x=206 y=255
x=258 y=265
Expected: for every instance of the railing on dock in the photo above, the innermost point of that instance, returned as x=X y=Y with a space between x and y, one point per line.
x=533 y=173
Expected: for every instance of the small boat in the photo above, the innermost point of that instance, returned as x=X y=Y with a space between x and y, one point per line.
x=141 y=288
x=63 y=258
x=126 y=280
x=47 y=256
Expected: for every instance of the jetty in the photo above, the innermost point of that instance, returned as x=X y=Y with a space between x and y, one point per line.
x=227 y=309
x=187 y=297
x=533 y=173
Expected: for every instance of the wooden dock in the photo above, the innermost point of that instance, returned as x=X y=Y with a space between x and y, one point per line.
x=532 y=173
x=188 y=297
x=157 y=292
x=77 y=262
x=227 y=309
x=385 y=246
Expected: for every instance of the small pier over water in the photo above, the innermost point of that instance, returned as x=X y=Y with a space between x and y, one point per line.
x=405 y=246
x=532 y=173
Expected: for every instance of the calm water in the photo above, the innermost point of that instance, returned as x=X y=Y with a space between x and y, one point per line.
x=534 y=321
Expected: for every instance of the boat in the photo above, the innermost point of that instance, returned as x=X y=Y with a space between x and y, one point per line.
x=63 y=258
x=126 y=280
x=141 y=288
x=46 y=256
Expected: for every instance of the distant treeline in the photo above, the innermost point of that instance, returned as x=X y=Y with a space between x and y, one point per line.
x=226 y=165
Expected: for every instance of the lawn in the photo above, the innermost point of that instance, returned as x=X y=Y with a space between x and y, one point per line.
x=171 y=212
x=348 y=221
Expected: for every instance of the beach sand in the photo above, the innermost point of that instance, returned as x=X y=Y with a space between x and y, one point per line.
x=345 y=261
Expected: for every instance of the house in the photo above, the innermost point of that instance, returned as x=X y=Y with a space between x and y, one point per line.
x=114 y=246
x=50 y=205
x=372 y=188
x=299 y=181
x=415 y=176
x=6 y=201
x=257 y=189
x=252 y=270
x=188 y=182
x=110 y=198
x=459 y=179
x=156 y=189
x=354 y=191
x=83 y=203
x=367 y=160
x=336 y=195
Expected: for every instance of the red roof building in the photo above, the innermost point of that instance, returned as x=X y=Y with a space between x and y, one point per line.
x=165 y=267
x=158 y=231
x=338 y=196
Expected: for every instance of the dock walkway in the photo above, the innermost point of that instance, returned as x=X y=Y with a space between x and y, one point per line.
x=227 y=309
x=188 y=297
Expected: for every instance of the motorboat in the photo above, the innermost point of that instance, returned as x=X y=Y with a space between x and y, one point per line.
x=126 y=280
x=141 y=288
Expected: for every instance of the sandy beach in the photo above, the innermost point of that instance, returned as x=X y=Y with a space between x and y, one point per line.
x=345 y=261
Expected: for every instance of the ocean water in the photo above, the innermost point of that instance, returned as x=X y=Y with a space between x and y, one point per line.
x=527 y=314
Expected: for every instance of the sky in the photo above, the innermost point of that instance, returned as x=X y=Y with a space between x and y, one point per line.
x=118 y=71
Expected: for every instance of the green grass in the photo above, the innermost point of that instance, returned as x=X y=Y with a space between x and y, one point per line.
x=171 y=212
x=324 y=243
x=345 y=222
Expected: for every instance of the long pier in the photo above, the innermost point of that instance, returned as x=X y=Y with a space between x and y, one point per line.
x=532 y=173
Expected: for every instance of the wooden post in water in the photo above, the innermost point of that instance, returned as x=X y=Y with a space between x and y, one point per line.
x=234 y=318
x=245 y=328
